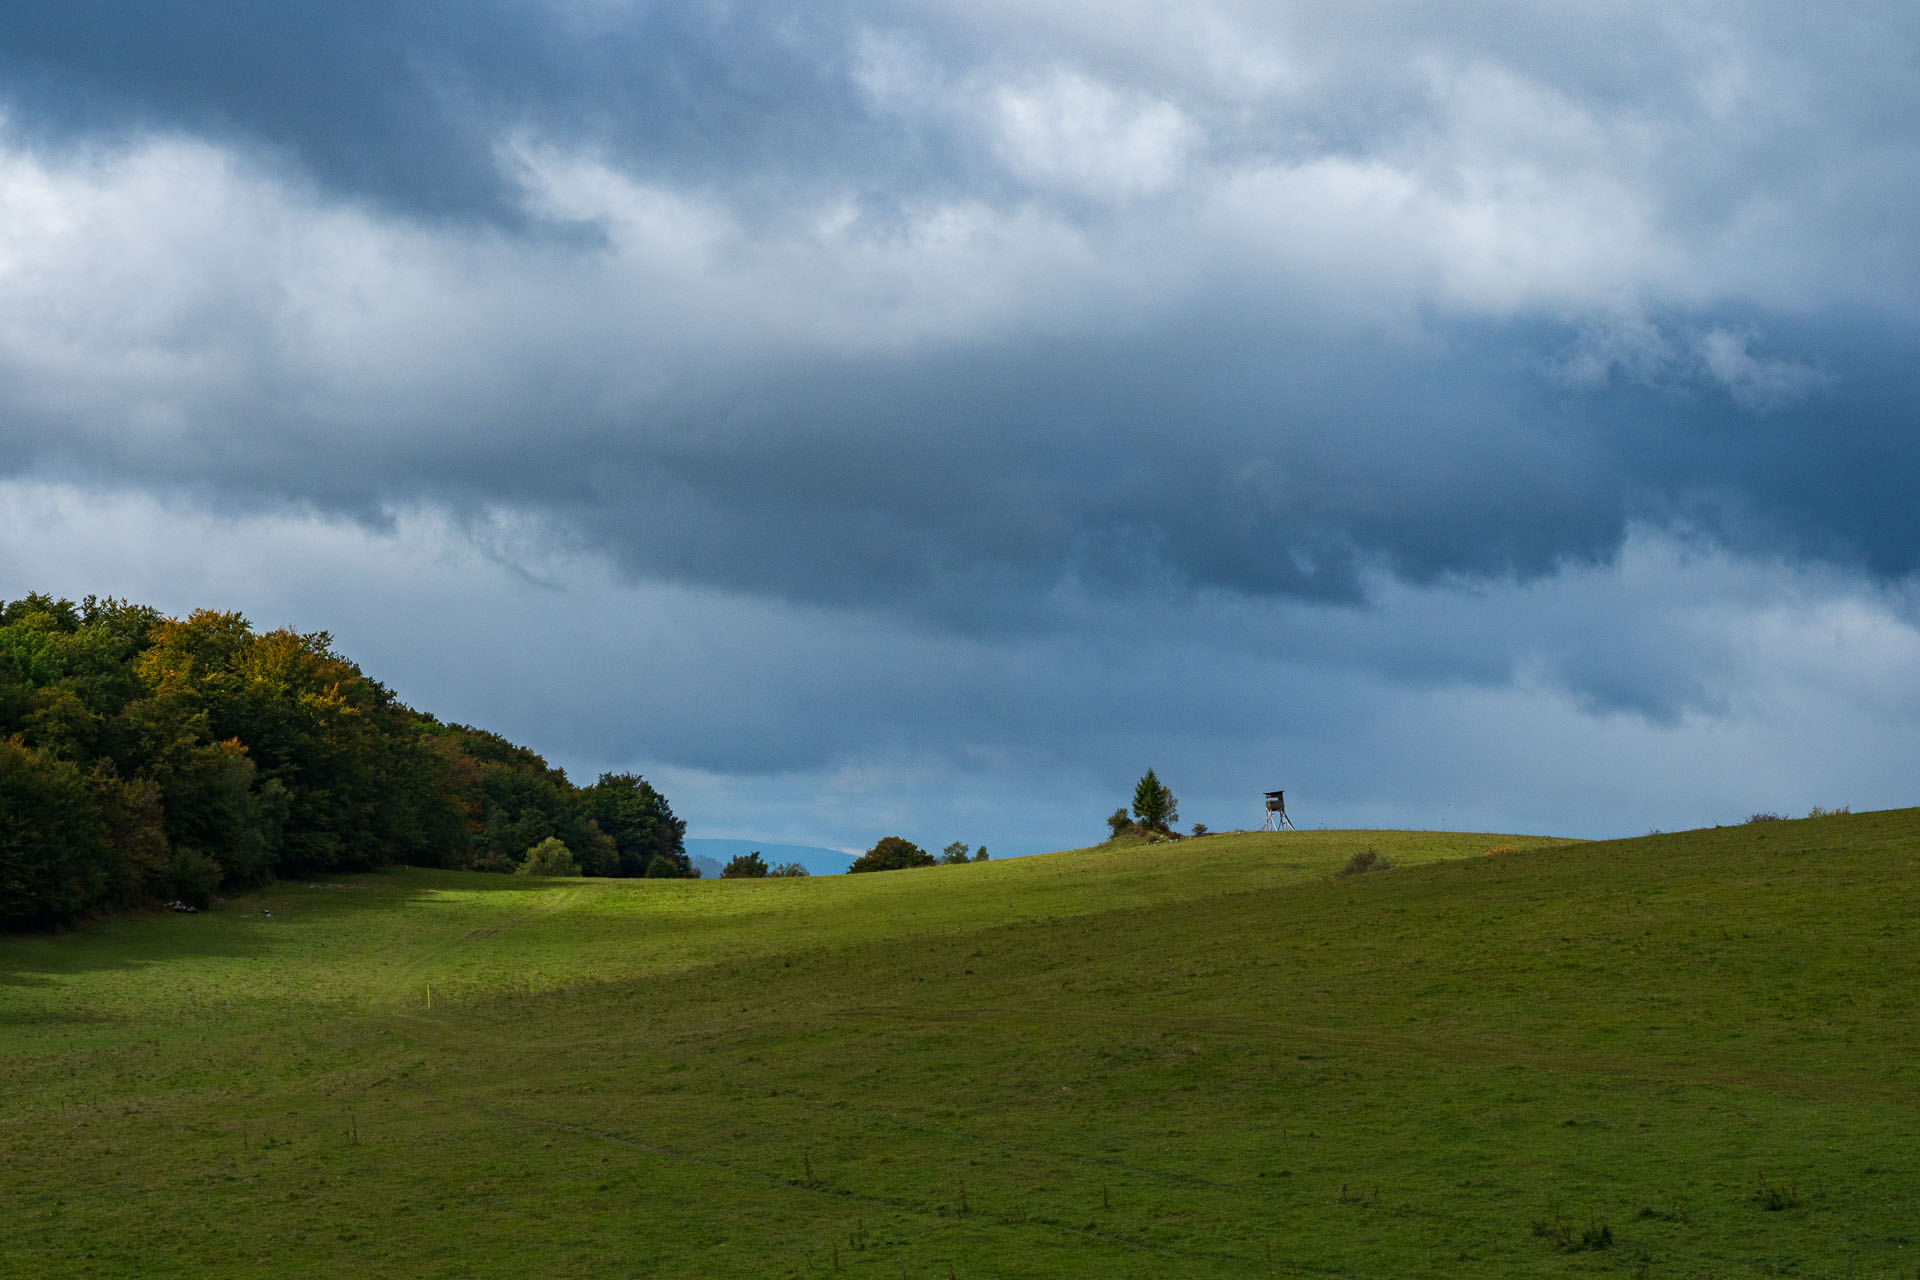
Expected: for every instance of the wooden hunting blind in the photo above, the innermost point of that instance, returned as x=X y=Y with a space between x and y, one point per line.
x=1277 y=818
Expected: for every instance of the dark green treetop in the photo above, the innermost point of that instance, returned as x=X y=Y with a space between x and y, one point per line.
x=892 y=854
x=1153 y=804
x=745 y=866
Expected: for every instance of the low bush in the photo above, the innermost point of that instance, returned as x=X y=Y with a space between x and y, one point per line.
x=1368 y=859
x=550 y=857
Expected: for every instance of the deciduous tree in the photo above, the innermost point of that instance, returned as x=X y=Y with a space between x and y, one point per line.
x=145 y=756
x=640 y=823
x=745 y=866
x=892 y=854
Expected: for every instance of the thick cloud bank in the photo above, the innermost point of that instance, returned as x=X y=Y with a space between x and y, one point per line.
x=915 y=402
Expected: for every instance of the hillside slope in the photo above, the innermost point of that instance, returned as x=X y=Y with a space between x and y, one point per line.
x=1211 y=1058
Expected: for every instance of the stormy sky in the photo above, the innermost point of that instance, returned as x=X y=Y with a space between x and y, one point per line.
x=921 y=418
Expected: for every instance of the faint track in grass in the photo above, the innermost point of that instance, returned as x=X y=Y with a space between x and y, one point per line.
x=404 y=989
x=1480 y=1050
x=825 y=1189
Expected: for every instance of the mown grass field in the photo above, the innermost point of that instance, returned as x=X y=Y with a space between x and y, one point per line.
x=1214 y=1058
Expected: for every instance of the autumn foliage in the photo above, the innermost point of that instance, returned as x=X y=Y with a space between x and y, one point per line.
x=144 y=757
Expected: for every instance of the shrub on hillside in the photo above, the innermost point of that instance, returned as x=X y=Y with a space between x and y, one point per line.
x=788 y=870
x=548 y=858
x=1364 y=861
x=1764 y=817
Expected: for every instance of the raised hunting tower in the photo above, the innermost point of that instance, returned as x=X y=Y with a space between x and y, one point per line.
x=1277 y=818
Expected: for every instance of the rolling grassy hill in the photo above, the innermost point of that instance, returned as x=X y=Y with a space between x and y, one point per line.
x=1684 y=1055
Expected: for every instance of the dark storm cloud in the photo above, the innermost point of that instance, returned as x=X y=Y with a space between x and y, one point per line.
x=1826 y=476
x=402 y=101
x=967 y=484
x=364 y=94
x=964 y=486
x=1162 y=460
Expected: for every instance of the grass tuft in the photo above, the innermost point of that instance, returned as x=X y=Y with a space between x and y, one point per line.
x=1774 y=1197
x=1565 y=1237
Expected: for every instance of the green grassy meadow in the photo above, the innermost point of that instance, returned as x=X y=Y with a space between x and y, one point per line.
x=1211 y=1058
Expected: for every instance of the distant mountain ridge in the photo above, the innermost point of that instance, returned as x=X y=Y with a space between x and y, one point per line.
x=719 y=851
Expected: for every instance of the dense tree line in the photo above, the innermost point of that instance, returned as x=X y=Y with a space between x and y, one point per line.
x=896 y=853
x=751 y=866
x=144 y=757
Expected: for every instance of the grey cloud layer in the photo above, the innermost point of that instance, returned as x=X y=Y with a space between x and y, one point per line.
x=1711 y=115
x=968 y=314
